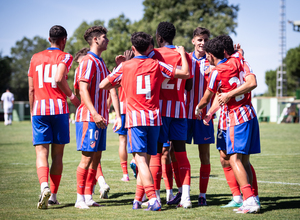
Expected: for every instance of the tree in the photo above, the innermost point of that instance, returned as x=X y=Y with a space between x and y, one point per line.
x=186 y=15
x=270 y=80
x=21 y=55
x=5 y=72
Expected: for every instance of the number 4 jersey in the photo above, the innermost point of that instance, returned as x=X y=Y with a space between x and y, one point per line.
x=48 y=98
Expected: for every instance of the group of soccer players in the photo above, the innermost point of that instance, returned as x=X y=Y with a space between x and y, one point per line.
x=167 y=98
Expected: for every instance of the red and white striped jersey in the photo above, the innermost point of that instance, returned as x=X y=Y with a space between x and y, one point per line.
x=198 y=69
x=76 y=78
x=48 y=98
x=172 y=103
x=226 y=76
x=93 y=70
x=141 y=78
x=122 y=99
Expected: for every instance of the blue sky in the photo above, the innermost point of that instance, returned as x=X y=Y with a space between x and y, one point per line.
x=257 y=31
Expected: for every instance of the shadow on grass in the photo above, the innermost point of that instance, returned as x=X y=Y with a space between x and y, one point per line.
x=117 y=195
x=279 y=203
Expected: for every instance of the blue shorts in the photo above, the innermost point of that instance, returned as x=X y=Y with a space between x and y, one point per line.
x=221 y=140
x=201 y=133
x=143 y=139
x=50 y=129
x=89 y=137
x=243 y=138
x=167 y=144
x=122 y=130
x=173 y=129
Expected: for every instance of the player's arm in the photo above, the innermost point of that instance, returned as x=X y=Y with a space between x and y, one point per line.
x=116 y=104
x=30 y=93
x=184 y=72
x=203 y=102
x=246 y=87
x=60 y=79
x=86 y=98
x=213 y=109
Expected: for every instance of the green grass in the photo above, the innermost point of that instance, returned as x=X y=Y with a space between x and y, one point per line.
x=277 y=169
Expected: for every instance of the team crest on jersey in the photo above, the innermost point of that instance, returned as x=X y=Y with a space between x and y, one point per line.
x=93 y=144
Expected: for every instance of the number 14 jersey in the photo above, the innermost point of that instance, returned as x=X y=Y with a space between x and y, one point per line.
x=48 y=98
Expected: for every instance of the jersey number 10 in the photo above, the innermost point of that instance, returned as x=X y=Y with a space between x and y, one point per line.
x=44 y=77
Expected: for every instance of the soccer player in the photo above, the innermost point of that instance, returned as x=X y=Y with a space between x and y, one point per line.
x=141 y=78
x=174 y=128
x=249 y=83
x=78 y=58
x=202 y=135
x=242 y=136
x=8 y=103
x=92 y=116
x=48 y=89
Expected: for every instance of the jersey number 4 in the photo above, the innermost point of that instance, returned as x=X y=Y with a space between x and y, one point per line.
x=44 y=76
x=139 y=86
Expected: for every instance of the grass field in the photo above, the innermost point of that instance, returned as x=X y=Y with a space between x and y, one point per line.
x=277 y=169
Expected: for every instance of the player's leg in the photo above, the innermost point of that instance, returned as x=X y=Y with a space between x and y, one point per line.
x=156 y=169
x=204 y=155
x=10 y=117
x=123 y=156
x=167 y=171
x=57 y=151
x=5 y=118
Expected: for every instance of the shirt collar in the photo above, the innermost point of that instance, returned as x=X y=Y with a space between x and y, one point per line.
x=222 y=61
x=95 y=55
x=53 y=48
x=141 y=57
x=194 y=56
x=170 y=46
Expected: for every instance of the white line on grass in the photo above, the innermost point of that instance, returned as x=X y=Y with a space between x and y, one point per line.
x=281 y=183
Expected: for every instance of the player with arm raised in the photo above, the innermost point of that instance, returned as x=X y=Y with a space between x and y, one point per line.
x=48 y=92
x=242 y=136
x=141 y=78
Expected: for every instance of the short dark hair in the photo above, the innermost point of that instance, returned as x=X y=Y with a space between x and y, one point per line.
x=141 y=41
x=56 y=33
x=80 y=53
x=94 y=31
x=201 y=31
x=167 y=31
x=228 y=43
x=215 y=47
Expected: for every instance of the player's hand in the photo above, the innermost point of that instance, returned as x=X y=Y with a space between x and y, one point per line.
x=100 y=121
x=207 y=119
x=180 y=49
x=117 y=124
x=128 y=54
x=198 y=113
x=119 y=59
x=223 y=98
x=75 y=101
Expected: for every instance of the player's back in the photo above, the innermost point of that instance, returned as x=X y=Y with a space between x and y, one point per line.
x=49 y=99
x=172 y=101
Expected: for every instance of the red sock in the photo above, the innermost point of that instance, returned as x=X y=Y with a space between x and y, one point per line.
x=184 y=168
x=254 y=183
x=42 y=173
x=124 y=167
x=150 y=191
x=99 y=171
x=204 y=177
x=167 y=175
x=89 y=185
x=176 y=174
x=247 y=191
x=232 y=183
x=54 y=183
x=139 y=193
x=155 y=168
x=81 y=180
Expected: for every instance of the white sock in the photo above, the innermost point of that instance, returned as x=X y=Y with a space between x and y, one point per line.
x=43 y=186
x=250 y=201
x=152 y=201
x=169 y=192
x=125 y=176
x=144 y=198
x=202 y=195
x=80 y=197
x=9 y=119
x=238 y=199
x=5 y=119
x=53 y=197
x=180 y=189
x=101 y=181
x=157 y=192
x=185 y=193
x=87 y=198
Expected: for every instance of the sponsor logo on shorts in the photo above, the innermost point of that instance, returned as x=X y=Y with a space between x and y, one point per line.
x=93 y=144
x=207 y=138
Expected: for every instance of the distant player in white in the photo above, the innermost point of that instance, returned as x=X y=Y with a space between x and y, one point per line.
x=8 y=102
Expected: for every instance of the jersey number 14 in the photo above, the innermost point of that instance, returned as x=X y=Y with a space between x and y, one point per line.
x=44 y=76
